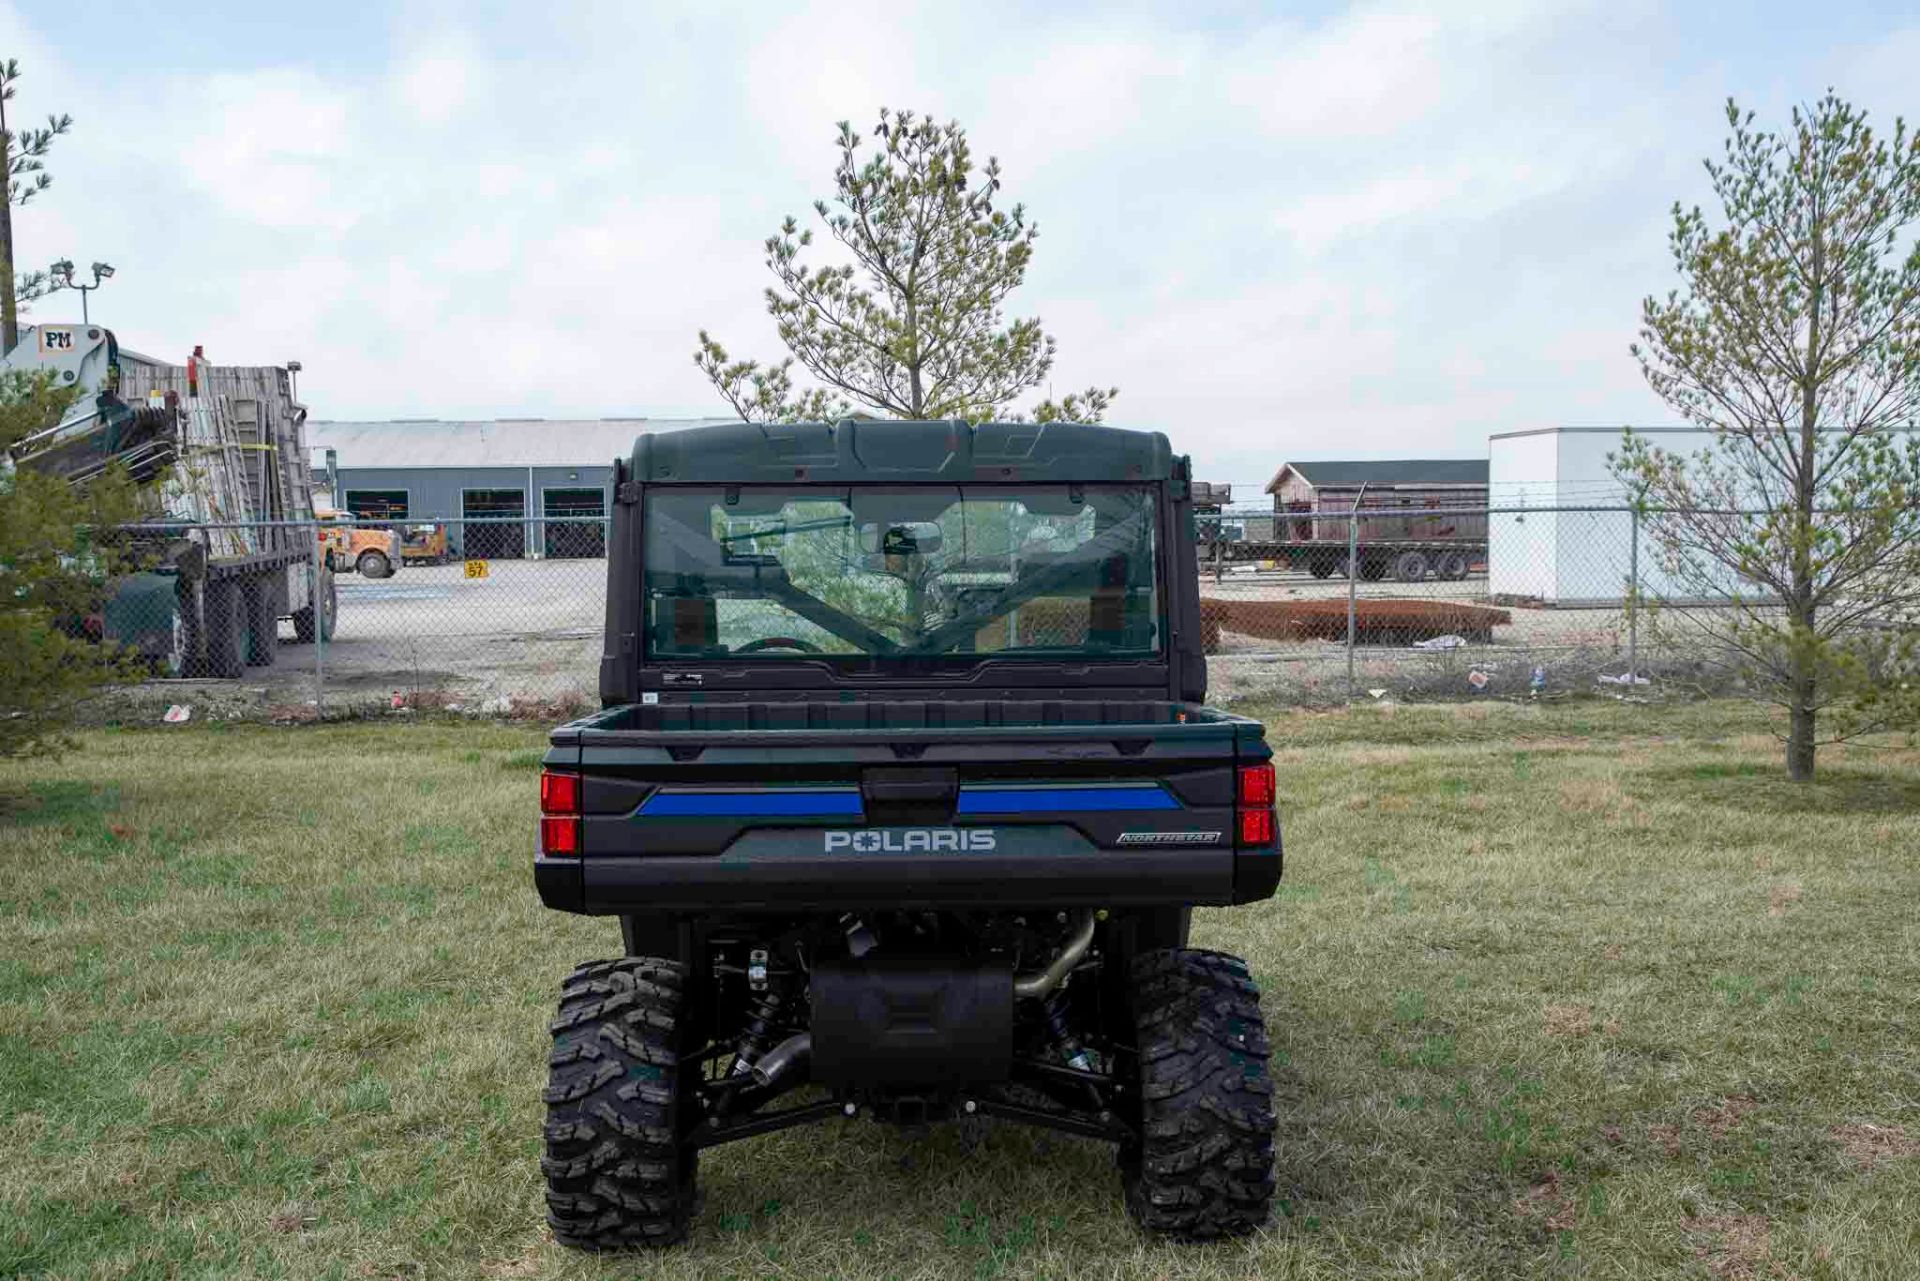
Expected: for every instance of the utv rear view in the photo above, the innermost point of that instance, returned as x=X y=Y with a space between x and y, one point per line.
x=902 y=792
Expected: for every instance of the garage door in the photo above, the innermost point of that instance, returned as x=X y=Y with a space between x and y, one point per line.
x=378 y=504
x=489 y=534
x=583 y=537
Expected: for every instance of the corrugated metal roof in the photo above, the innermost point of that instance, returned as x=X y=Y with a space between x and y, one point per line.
x=1386 y=473
x=500 y=442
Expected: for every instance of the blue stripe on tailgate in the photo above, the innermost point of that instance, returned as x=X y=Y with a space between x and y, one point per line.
x=1056 y=799
x=806 y=803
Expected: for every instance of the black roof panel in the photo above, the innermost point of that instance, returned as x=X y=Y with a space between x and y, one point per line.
x=863 y=451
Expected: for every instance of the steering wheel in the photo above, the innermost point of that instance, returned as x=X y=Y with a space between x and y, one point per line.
x=778 y=642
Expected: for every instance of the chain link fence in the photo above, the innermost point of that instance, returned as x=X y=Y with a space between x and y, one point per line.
x=499 y=617
x=504 y=616
x=1487 y=602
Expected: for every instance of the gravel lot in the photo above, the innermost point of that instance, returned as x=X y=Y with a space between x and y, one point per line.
x=530 y=628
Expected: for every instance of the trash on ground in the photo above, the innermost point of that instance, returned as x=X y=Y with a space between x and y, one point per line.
x=1624 y=678
x=1478 y=679
x=1449 y=641
x=178 y=714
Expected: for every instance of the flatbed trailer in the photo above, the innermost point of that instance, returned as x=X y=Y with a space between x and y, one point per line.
x=227 y=533
x=243 y=469
x=1407 y=560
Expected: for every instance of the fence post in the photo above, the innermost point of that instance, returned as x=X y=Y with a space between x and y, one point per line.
x=1633 y=598
x=316 y=603
x=1353 y=587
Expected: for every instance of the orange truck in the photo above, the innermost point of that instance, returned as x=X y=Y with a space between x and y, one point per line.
x=369 y=550
x=424 y=544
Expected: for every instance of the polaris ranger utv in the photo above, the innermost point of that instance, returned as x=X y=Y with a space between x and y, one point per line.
x=903 y=793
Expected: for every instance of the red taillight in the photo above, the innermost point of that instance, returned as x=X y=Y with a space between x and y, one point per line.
x=559 y=814
x=1256 y=827
x=560 y=836
x=1256 y=784
x=1253 y=793
x=559 y=793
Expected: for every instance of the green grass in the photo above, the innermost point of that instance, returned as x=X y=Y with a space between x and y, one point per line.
x=1555 y=993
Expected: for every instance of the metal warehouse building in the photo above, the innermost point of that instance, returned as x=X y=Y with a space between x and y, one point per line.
x=531 y=487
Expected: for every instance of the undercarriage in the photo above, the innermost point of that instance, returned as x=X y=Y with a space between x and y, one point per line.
x=1098 y=1025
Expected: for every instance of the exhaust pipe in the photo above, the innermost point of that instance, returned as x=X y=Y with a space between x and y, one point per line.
x=1041 y=982
x=791 y=1055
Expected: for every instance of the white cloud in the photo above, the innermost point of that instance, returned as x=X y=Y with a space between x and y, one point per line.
x=813 y=70
x=268 y=146
x=1394 y=226
x=1361 y=76
x=1077 y=93
x=437 y=84
x=1879 y=72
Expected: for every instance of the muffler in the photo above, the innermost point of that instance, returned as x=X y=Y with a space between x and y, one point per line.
x=911 y=1022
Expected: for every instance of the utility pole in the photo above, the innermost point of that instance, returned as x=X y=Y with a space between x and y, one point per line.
x=9 y=305
x=23 y=175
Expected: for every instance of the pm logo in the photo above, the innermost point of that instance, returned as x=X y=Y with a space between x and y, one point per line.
x=914 y=840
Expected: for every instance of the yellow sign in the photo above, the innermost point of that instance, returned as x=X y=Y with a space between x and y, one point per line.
x=476 y=569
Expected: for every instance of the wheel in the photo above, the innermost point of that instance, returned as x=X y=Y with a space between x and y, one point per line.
x=1203 y=1168
x=1373 y=568
x=374 y=565
x=1323 y=566
x=303 y=627
x=226 y=626
x=619 y=1174
x=1410 y=567
x=1452 y=566
x=263 y=622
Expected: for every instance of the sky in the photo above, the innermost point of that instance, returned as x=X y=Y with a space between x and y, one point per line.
x=1283 y=231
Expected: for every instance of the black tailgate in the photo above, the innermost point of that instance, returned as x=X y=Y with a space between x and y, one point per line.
x=939 y=804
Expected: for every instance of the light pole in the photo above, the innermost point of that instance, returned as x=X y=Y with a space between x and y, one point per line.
x=62 y=274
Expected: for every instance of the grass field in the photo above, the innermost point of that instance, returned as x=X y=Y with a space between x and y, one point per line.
x=1583 y=992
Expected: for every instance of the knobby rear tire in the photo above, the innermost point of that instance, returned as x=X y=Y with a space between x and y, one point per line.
x=619 y=1176
x=1203 y=1169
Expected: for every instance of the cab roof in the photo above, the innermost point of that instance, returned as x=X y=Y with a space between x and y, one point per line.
x=855 y=451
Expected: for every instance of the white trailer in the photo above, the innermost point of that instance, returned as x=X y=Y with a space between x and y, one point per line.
x=1539 y=551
